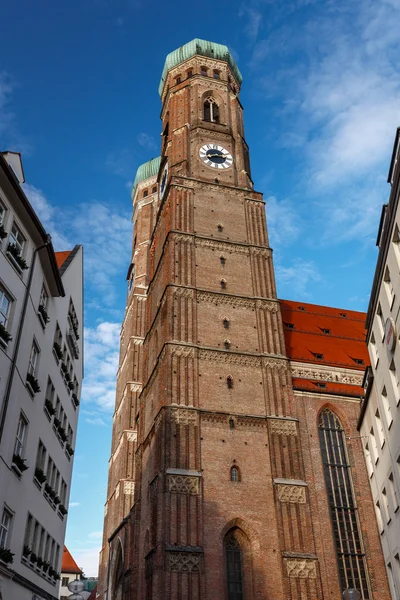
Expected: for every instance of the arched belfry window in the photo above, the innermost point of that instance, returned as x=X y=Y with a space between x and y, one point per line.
x=211 y=111
x=234 y=567
x=342 y=504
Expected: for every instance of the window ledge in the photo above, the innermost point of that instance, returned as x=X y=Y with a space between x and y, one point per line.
x=16 y=470
x=29 y=388
x=14 y=263
x=4 y=345
x=37 y=483
x=55 y=356
x=46 y=412
x=42 y=321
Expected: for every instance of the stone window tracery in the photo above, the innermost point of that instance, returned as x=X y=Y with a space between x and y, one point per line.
x=342 y=503
x=234 y=567
x=211 y=111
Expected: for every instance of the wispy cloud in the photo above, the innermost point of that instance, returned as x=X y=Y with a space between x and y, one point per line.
x=254 y=18
x=97 y=535
x=284 y=221
x=47 y=214
x=146 y=141
x=119 y=162
x=337 y=118
x=101 y=356
x=296 y=278
x=74 y=504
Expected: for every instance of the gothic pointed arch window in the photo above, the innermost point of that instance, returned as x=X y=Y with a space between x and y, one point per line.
x=211 y=111
x=234 y=566
x=342 y=503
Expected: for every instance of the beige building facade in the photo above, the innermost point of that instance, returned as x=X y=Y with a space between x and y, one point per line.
x=41 y=371
x=379 y=422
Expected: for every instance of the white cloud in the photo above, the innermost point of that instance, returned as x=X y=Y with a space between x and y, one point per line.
x=47 y=213
x=96 y=535
x=146 y=141
x=297 y=277
x=74 y=504
x=284 y=221
x=101 y=365
x=340 y=110
x=88 y=560
x=254 y=20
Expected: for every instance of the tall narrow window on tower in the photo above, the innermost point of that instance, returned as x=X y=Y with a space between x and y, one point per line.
x=342 y=504
x=233 y=554
x=211 y=111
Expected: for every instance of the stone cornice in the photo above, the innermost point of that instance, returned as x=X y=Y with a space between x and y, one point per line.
x=326 y=373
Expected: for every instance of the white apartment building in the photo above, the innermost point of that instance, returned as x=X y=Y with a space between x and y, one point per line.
x=379 y=422
x=41 y=371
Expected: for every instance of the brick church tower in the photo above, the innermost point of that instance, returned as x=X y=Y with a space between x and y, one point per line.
x=215 y=485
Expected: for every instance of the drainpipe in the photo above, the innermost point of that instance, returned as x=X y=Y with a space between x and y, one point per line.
x=18 y=339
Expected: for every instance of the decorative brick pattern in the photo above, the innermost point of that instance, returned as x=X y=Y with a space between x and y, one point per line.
x=183 y=484
x=301 y=569
x=291 y=493
x=283 y=427
x=184 y=562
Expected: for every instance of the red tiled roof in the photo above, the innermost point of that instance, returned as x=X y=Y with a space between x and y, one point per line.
x=61 y=257
x=339 y=348
x=68 y=564
x=306 y=342
x=342 y=389
x=93 y=594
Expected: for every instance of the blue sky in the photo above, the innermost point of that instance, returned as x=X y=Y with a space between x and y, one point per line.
x=78 y=97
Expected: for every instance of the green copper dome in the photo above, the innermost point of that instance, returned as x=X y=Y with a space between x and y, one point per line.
x=145 y=171
x=202 y=48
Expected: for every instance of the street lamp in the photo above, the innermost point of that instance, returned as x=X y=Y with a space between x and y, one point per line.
x=351 y=594
x=75 y=587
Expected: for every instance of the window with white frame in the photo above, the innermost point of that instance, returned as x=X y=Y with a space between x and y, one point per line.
x=5 y=528
x=368 y=460
x=389 y=286
x=396 y=243
x=17 y=239
x=41 y=456
x=374 y=350
x=28 y=530
x=2 y=214
x=381 y=320
x=385 y=506
x=50 y=391
x=5 y=307
x=379 y=517
x=386 y=407
x=379 y=428
x=393 y=493
x=63 y=492
x=392 y=586
x=374 y=446
x=395 y=382
x=33 y=359
x=20 y=437
x=44 y=298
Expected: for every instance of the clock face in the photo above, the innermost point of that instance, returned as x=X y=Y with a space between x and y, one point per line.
x=216 y=156
x=163 y=182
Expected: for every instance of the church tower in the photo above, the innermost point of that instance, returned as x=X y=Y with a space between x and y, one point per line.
x=210 y=480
